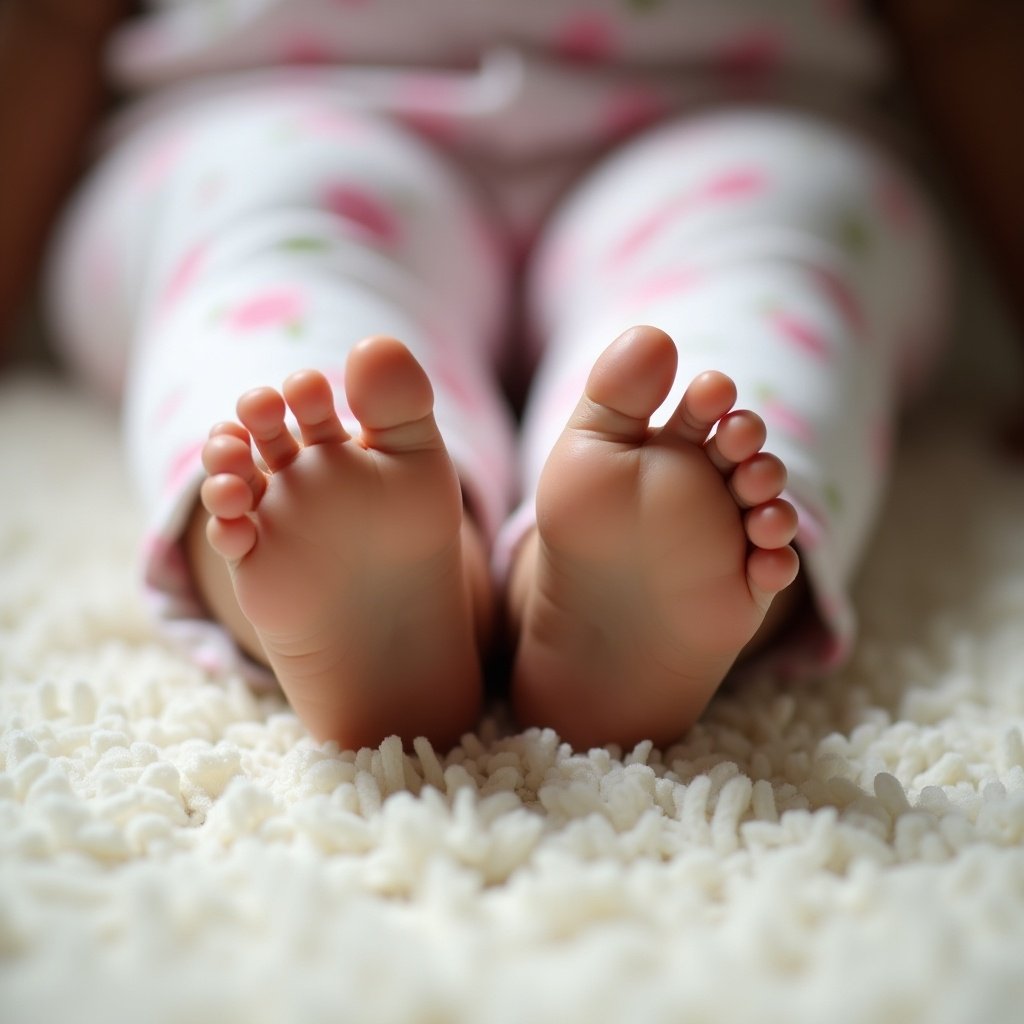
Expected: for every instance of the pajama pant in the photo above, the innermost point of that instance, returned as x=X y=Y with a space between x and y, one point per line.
x=232 y=241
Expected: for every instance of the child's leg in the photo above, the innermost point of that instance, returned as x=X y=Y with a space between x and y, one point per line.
x=279 y=231
x=798 y=261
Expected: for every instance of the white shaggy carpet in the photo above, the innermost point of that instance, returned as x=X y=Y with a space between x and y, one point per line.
x=173 y=849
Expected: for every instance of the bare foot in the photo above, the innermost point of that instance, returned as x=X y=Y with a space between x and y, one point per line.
x=656 y=556
x=351 y=558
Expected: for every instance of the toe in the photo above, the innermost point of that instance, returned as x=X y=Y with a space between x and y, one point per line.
x=230 y=429
x=262 y=413
x=771 y=571
x=309 y=396
x=231 y=538
x=740 y=435
x=228 y=454
x=757 y=480
x=708 y=398
x=630 y=379
x=391 y=396
x=771 y=525
x=226 y=495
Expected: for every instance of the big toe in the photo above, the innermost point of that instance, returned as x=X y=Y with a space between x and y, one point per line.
x=630 y=379
x=390 y=394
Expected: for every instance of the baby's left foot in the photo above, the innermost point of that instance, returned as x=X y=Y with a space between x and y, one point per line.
x=656 y=556
x=350 y=558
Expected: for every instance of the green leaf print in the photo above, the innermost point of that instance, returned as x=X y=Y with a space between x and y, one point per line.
x=833 y=498
x=305 y=244
x=854 y=235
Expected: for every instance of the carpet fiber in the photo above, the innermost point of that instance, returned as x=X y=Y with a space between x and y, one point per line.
x=173 y=848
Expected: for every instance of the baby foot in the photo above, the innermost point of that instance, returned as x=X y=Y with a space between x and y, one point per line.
x=656 y=555
x=347 y=555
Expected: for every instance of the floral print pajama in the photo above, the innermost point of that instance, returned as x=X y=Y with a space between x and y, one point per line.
x=499 y=183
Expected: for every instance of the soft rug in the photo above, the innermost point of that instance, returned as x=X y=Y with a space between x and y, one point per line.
x=175 y=849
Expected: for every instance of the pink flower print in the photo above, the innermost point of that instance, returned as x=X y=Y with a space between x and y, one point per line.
x=730 y=186
x=159 y=163
x=306 y=49
x=183 y=275
x=799 y=332
x=183 y=466
x=844 y=299
x=586 y=37
x=782 y=417
x=364 y=211
x=754 y=53
x=739 y=183
x=629 y=110
x=274 y=307
x=663 y=285
x=326 y=122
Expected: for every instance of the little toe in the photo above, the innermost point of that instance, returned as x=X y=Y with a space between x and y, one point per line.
x=390 y=394
x=230 y=429
x=757 y=480
x=262 y=411
x=771 y=571
x=309 y=396
x=231 y=538
x=630 y=379
x=771 y=525
x=708 y=397
x=740 y=435
x=228 y=454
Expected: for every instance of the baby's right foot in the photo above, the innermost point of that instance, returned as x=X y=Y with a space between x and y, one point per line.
x=351 y=558
x=656 y=556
